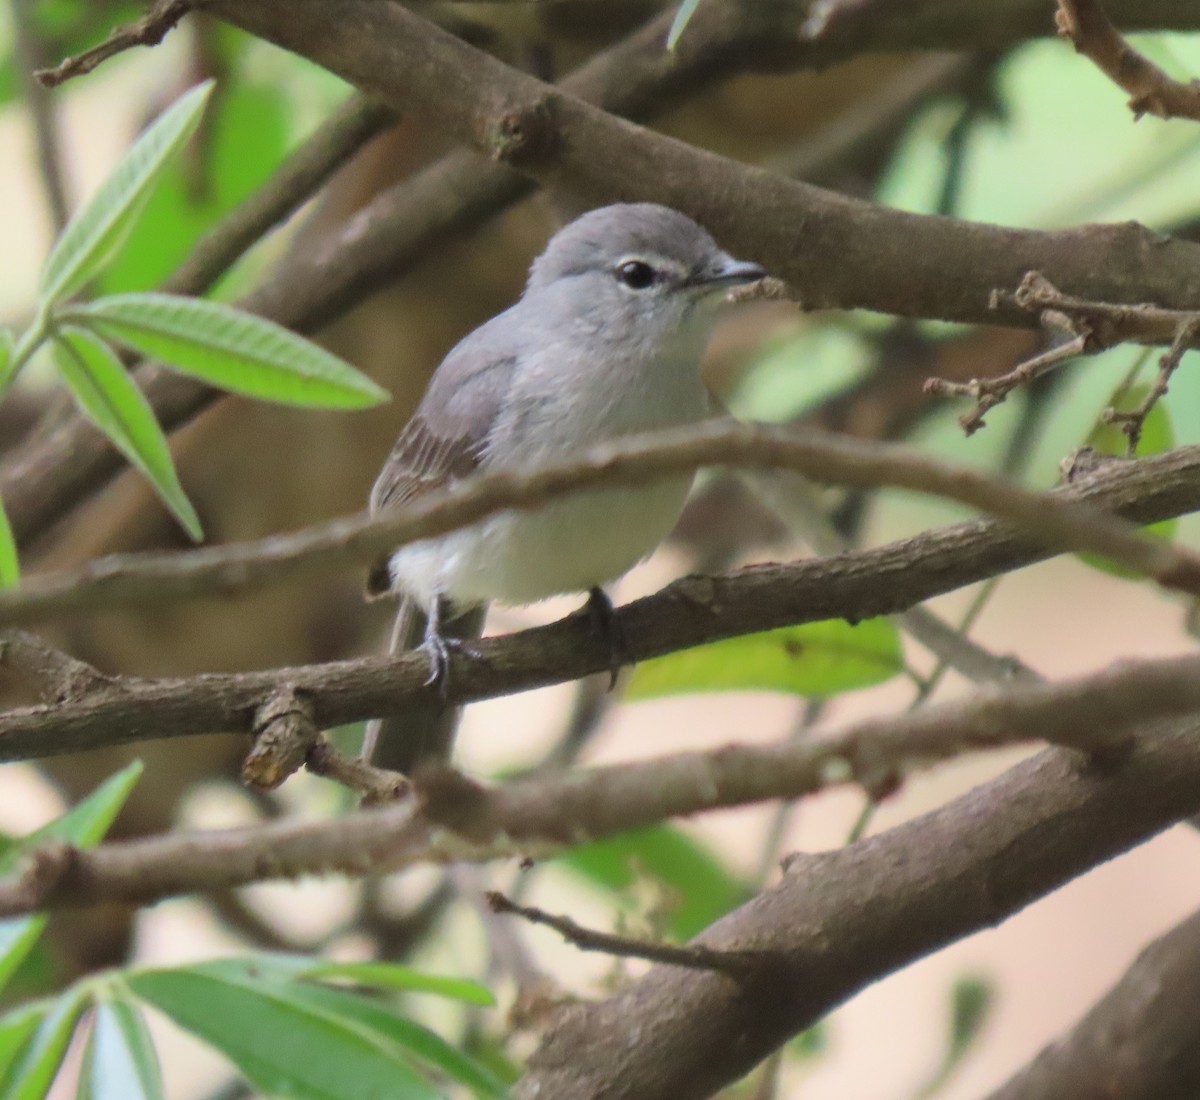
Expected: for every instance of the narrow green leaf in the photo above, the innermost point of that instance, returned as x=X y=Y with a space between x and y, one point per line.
x=17 y=1028
x=682 y=18
x=971 y=1002
x=29 y=1077
x=283 y=1045
x=10 y=568
x=246 y=135
x=393 y=976
x=83 y=825
x=406 y=1034
x=110 y=398
x=705 y=888
x=121 y=1063
x=815 y=659
x=6 y=357
x=301 y=977
x=17 y=938
x=229 y=348
x=103 y=223
x=810 y=1044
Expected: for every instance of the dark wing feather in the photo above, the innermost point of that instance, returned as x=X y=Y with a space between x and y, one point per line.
x=447 y=437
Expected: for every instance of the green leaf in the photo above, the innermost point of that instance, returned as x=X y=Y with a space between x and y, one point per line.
x=971 y=1002
x=682 y=18
x=83 y=825
x=1158 y=435
x=815 y=659
x=228 y=348
x=120 y=1063
x=29 y=1077
x=245 y=137
x=406 y=1034
x=17 y=1028
x=111 y=399
x=705 y=888
x=17 y=938
x=285 y=1046
x=6 y=357
x=103 y=223
x=10 y=567
x=380 y=975
x=810 y=1044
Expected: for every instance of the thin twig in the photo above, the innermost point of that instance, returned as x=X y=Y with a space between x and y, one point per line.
x=823 y=457
x=376 y=785
x=42 y=111
x=1133 y=421
x=734 y=963
x=1151 y=90
x=149 y=30
x=1087 y=326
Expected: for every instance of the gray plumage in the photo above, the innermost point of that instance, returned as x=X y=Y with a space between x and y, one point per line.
x=605 y=341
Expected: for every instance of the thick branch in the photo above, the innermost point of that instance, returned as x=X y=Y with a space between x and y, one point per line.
x=1138 y=1042
x=454 y=819
x=1043 y=518
x=694 y=610
x=907 y=264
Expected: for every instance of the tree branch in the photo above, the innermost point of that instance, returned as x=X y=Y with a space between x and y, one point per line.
x=1151 y=91
x=733 y=963
x=1046 y=519
x=1137 y=1043
x=57 y=676
x=689 y=612
x=454 y=819
x=149 y=30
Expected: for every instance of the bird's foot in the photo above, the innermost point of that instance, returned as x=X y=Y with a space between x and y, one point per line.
x=438 y=647
x=605 y=622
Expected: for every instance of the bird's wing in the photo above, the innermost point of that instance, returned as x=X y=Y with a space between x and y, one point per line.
x=447 y=437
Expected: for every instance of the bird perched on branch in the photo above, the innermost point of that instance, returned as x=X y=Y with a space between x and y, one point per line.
x=605 y=341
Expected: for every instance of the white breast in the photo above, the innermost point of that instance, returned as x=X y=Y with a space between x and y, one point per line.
x=582 y=541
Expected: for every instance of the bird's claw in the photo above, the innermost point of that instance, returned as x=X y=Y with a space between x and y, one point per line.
x=605 y=622
x=438 y=648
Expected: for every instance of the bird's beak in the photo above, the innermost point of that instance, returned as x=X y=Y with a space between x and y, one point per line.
x=728 y=274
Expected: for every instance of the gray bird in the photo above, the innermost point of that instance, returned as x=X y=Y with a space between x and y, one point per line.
x=605 y=341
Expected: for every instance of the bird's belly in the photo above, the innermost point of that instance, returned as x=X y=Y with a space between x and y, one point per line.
x=568 y=546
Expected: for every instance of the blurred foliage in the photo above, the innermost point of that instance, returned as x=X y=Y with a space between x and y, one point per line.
x=700 y=887
x=814 y=660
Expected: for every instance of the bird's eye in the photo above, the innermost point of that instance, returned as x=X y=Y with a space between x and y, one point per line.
x=635 y=274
